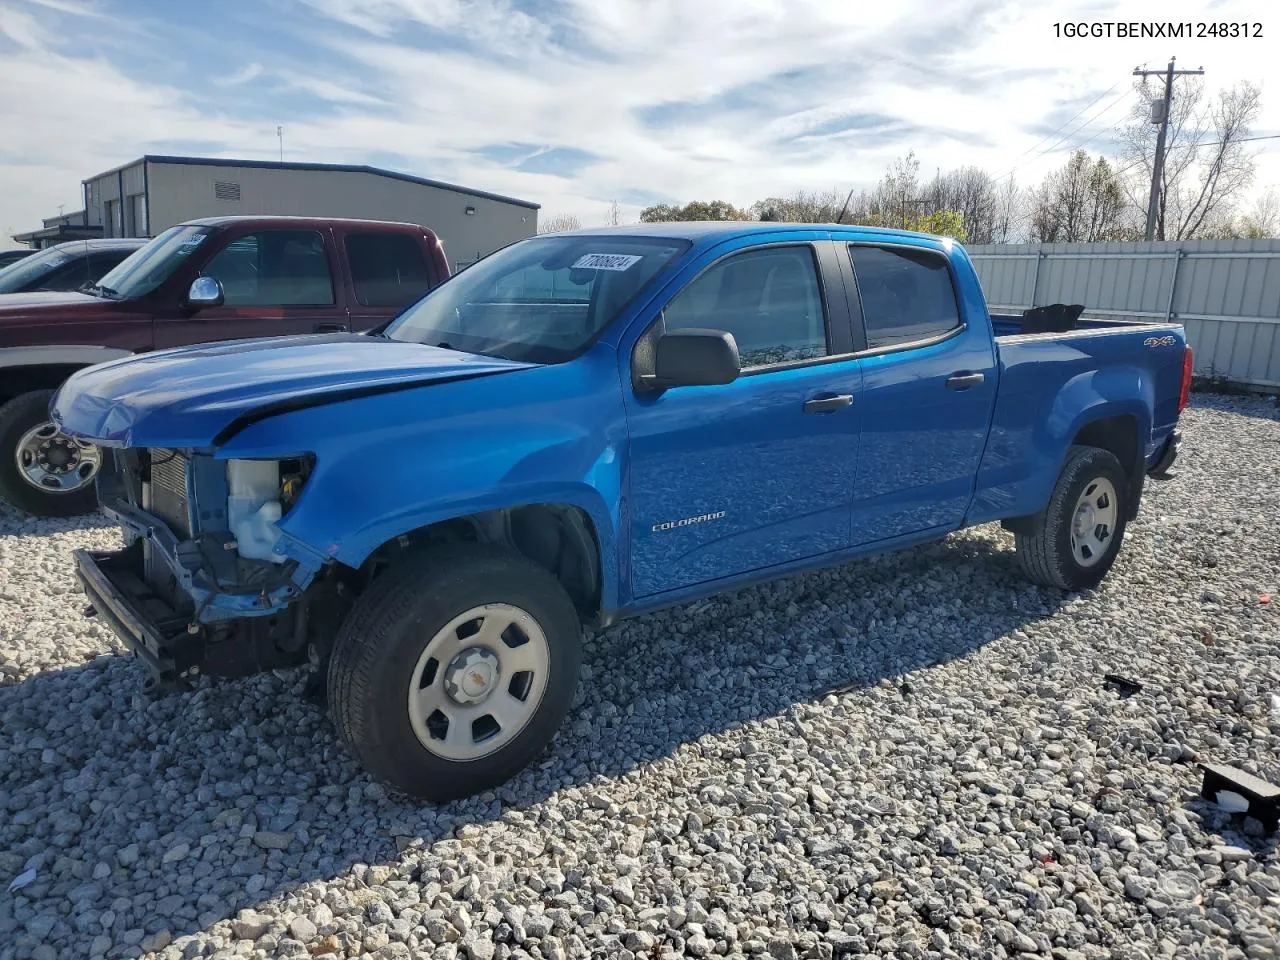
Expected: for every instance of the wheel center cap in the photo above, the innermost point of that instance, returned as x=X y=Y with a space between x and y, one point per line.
x=59 y=455
x=1084 y=519
x=472 y=675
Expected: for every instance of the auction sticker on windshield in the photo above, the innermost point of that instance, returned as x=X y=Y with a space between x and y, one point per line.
x=606 y=261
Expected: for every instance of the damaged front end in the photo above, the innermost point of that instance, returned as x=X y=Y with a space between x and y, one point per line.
x=207 y=583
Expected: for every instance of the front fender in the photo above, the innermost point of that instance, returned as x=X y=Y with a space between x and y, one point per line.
x=67 y=354
x=389 y=464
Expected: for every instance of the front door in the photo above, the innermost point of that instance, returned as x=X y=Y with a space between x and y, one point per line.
x=729 y=479
x=274 y=283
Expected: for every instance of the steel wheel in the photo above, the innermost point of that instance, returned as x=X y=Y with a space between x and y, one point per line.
x=1094 y=521
x=478 y=682
x=55 y=463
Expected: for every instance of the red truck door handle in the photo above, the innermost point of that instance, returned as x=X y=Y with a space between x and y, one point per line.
x=963 y=381
x=828 y=404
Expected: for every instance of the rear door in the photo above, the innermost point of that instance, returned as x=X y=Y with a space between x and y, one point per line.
x=929 y=386
x=388 y=270
x=275 y=282
x=729 y=479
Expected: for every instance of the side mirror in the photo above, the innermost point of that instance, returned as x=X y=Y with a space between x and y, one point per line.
x=694 y=358
x=204 y=292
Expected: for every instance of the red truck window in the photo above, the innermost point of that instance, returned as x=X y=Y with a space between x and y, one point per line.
x=387 y=269
x=274 y=268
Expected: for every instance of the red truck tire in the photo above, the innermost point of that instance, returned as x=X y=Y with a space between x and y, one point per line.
x=31 y=449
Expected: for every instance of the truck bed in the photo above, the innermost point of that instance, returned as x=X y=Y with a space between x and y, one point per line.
x=1051 y=380
x=1006 y=325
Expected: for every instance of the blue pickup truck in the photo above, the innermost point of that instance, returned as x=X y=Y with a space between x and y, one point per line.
x=584 y=427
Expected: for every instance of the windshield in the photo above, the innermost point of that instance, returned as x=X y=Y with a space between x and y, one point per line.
x=539 y=301
x=29 y=270
x=147 y=268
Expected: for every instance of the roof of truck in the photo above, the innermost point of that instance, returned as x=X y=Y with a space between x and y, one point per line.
x=727 y=229
x=277 y=221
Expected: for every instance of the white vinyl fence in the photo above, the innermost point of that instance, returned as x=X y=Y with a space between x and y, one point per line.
x=1226 y=293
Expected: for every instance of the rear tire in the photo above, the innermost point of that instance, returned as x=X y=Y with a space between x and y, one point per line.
x=1073 y=543
x=454 y=670
x=18 y=418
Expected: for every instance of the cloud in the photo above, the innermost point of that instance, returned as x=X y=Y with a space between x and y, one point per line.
x=575 y=103
x=247 y=73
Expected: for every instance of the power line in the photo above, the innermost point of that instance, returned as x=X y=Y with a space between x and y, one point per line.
x=1063 y=139
x=1068 y=122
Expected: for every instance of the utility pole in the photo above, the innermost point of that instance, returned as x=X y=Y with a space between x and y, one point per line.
x=280 y=137
x=1157 y=167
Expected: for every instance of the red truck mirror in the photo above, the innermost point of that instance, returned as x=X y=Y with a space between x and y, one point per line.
x=204 y=292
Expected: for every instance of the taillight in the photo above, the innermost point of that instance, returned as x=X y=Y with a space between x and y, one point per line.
x=1184 y=393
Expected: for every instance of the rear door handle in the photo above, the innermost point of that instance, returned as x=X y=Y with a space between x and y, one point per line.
x=963 y=381
x=330 y=328
x=829 y=403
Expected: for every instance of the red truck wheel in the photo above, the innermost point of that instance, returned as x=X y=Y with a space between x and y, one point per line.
x=1073 y=543
x=41 y=470
x=454 y=670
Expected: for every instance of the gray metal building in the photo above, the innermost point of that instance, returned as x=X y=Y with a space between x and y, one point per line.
x=142 y=198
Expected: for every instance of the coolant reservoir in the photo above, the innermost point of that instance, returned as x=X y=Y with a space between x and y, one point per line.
x=253 y=507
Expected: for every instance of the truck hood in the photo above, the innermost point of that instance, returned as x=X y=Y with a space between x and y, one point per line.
x=38 y=302
x=200 y=396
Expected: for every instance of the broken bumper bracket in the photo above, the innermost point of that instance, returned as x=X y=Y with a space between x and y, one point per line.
x=125 y=616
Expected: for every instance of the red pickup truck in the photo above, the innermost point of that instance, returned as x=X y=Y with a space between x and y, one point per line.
x=220 y=278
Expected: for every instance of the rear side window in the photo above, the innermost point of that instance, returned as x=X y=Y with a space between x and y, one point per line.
x=103 y=263
x=906 y=294
x=387 y=269
x=274 y=268
x=769 y=299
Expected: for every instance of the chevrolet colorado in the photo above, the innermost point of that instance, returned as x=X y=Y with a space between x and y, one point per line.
x=585 y=427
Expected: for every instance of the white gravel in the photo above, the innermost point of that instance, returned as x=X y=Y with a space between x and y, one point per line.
x=972 y=791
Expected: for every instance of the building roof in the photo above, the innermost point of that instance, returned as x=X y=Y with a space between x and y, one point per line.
x=334 y=167
x=60 y=232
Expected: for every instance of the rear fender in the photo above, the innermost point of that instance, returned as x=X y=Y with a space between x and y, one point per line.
x=1022 y=487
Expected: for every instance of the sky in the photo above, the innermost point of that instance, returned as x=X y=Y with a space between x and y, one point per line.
x=575 y=104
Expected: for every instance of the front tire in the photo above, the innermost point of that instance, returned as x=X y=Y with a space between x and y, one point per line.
x=42 y=471
x=454 y=670
x=1073 y=543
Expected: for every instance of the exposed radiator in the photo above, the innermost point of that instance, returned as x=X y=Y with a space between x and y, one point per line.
x=168 y=490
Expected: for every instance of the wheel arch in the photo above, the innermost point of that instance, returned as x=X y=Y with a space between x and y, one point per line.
x=27 y=369
x=563 y=537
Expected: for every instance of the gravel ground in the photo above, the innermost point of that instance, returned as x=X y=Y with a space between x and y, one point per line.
x=913 y=756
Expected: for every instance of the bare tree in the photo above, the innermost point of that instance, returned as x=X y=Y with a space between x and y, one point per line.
x=970 y=193
x=801 y=207
x=615 y=214
x=560 y=223
x=896 y=197
x=693 y=210
x=1207 y=166
x=1084 y=201
x=1263 y=218
x=1009 y=223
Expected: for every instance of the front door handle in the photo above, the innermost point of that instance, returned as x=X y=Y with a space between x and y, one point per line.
x=829 y=403
x=331 y=328
x=963 y=381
